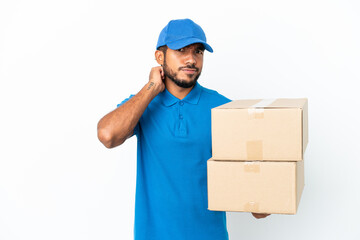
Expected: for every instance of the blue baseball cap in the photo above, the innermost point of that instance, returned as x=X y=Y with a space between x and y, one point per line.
x=181 y=33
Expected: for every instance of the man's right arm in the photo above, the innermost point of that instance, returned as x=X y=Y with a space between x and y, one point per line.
x=115 y=127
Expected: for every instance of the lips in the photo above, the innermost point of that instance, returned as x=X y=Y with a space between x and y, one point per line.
x=189 y=70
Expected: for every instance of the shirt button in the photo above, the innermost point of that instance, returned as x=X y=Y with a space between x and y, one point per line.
x=181 y=116
x=181 y=103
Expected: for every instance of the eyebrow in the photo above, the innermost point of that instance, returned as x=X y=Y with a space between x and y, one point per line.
x=202 y=48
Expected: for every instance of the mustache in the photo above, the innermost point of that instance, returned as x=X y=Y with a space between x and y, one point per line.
x=189 y=67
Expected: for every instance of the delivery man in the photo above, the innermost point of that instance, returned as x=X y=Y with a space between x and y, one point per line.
x=171 y=118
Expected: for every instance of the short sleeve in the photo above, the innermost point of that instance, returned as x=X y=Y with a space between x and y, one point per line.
x=137 y=127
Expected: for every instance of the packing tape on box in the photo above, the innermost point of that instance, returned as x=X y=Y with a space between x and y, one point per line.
x=254 y=150
x=252 y=167
x=251 y=207
x=256 y=111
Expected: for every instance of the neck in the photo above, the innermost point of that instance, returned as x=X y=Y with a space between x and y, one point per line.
x=175 y=90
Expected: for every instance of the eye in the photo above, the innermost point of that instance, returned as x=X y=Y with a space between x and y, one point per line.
x=181 y=50
x=199 y=51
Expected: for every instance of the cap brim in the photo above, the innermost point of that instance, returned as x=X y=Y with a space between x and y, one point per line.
x=188 y=41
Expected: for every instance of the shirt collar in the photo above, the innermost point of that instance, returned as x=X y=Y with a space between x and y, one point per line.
x=193 y=96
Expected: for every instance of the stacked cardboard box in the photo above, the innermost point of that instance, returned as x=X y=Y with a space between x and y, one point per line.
x=258 y=151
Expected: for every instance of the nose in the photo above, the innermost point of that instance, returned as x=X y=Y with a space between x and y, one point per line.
x=190 y=58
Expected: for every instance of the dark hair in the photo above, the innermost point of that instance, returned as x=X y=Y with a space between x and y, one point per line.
x=163 y=49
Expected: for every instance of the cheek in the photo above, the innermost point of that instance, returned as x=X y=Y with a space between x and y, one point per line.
x=171 y=62
x=200 y=61
x=200 y=65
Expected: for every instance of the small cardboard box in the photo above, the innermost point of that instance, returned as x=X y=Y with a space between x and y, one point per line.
x=268 y=130
x=260 y=187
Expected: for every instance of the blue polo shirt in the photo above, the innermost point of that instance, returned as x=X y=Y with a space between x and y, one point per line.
x=174 y=144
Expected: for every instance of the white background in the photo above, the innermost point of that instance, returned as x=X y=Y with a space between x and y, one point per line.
x=65 y=64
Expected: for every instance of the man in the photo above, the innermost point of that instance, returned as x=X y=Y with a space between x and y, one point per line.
x=171 y=118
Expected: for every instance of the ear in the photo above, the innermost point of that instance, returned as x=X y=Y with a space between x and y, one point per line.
x=159 y=57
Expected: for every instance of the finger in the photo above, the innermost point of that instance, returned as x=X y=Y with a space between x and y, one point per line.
x=162 y=72
x=260 y=215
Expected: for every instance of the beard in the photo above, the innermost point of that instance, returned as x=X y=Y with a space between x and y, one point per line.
x=181 y=82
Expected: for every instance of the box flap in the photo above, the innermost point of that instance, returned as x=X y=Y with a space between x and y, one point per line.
x=265 y=103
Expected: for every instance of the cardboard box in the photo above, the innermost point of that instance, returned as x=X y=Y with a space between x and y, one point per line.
x=269 y=130
x=261 y=187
